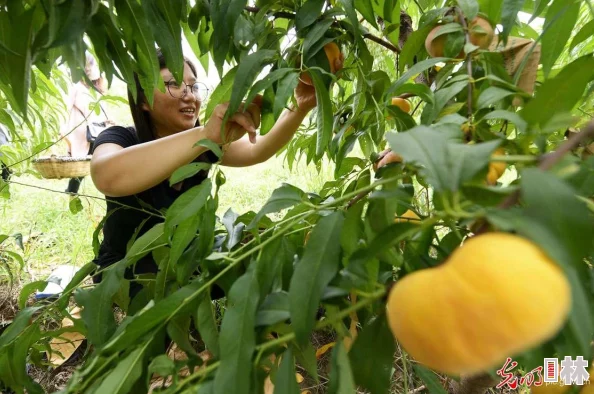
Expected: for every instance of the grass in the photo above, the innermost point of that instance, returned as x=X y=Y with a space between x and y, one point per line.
x=52 y=235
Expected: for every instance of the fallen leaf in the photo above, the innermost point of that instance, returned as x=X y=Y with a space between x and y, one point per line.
x=321 y=351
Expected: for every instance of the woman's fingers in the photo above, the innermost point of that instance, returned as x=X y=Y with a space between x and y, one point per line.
x=255 y=112
x=245 y=120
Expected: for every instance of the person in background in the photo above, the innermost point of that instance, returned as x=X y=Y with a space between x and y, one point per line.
x=3 y=141
x=80 y=115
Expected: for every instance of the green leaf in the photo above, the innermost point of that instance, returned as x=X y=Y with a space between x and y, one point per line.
x=19 y=67
x=238 y=339
x=28 y=289
x=186 y=205
x=139 y=38
x=286 y=86
x=561 y=93
x=284 y=197
x=249 y=68
x=178 y=330
x=97 y=312
x=509 y=116
x=205 y=322
x=18 y=325
x=308 y=13
x=75 y=205
x=447 y=29
x=143 y=322
x=341 y=376
x=267 y=82
x=13 y=368
x=362 y=52
x=306 y=357
x=210 y=145
x=352 y=229
x=559 y=22
x=412 y=46
x=366 y=9
x=324 y=114
x=509 y=14
x=168 y=14
x=121 y=379
x=469 y=8
x=183 y=235
x=313 y=36
x=372 y=372
x=586 y=32
x=188 y=171
x=150 y=240
x=285 y=382
x=492 y=95
x=274 y=309
x=421 y=90
x=543 y=192
x=222 y=92
x=413 y=71
x=162 y=365
x=224 y=15
x=442 y=97
x=314 y=271
x=270 y=263
x=446 y=164
x=430 y=379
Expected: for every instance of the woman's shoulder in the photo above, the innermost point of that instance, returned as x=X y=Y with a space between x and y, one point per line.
x=120 y=135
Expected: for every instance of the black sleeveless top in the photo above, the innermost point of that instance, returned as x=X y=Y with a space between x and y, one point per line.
x=122 y=222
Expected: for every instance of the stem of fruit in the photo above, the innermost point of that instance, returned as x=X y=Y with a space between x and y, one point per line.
x=468 y=63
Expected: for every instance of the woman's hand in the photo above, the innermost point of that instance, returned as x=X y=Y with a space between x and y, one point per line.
x=237 y=125
x=305 y=94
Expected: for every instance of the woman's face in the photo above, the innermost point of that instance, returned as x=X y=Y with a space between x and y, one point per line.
x=169 y=114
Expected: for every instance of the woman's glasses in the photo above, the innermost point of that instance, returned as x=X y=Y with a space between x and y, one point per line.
x=199 y=90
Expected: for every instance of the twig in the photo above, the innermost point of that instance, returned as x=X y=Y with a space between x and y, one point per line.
x=546 y=162
x=369 y=36
x=358 y=198
x=417 y=390
x=378 y=40
x=549 y=160
x=468 y=63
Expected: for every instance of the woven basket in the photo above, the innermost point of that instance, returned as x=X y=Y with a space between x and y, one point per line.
x=58 y=167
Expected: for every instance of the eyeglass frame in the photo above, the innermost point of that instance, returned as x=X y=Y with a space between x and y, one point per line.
x=173 y=82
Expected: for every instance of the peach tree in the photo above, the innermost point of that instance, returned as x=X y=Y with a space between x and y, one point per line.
x=495 y=153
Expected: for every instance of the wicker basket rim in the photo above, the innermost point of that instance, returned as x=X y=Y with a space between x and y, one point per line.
x=58 y=159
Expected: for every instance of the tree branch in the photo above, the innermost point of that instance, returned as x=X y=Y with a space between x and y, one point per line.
x=290 y=15
x=546 y=162
x=383 y=43
x=549 y=160
x=468 y=63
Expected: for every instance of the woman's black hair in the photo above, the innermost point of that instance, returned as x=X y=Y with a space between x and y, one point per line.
x=142 y=119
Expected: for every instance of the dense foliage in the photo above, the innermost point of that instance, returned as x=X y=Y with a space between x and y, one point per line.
x=274 y=281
